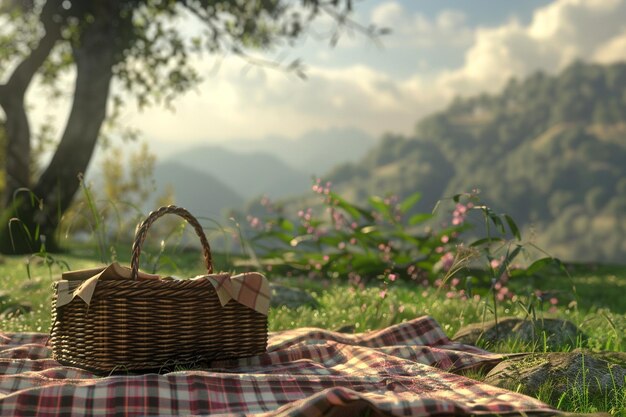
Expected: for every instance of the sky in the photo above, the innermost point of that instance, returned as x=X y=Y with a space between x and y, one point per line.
x=438 y=49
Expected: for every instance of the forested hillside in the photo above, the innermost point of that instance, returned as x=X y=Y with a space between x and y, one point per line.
x=549 y=150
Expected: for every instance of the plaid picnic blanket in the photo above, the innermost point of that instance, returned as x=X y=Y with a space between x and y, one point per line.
x=409 y=369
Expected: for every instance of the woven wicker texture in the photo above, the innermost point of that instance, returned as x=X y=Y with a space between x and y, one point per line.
x=134 y=325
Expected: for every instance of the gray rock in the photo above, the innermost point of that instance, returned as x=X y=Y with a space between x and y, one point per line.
x=291 y=297
x=618 y=358
x=553 y=374
x=555 y=333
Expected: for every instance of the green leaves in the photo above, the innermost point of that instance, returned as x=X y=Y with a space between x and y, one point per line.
x=410 y=201
x=508 y=259
x=420 y=218
x=486 y=240
x=542 y=264
x=498 y=222
x=343 y=240
x=512 y=226
x=381 y=207
x=353 y=210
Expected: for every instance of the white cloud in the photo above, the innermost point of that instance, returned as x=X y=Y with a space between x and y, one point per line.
x=448 y=29
x=559 y=33
x=613 y=50
x=388 y=14
x=263 y=102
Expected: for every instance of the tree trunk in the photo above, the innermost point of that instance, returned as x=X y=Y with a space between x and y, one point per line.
x=12 y=101
x=53 y=193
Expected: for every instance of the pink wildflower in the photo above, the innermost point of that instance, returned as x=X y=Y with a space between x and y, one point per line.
x=458 y=215
x=447 y=260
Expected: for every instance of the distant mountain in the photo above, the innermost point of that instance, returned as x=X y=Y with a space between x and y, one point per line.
x=549 y=150
x=198 y=191
x=248 y=174
x=313 y=153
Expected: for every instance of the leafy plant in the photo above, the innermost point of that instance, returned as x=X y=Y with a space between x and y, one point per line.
x=344 y=240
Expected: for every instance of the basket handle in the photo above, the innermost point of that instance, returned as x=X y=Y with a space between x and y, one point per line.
x=142 y=230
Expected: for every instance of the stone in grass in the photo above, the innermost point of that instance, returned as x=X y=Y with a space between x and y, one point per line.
x=555 y=333
x=552 y=374
x=291 y=297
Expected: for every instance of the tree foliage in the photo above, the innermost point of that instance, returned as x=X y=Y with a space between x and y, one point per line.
x=146 y=47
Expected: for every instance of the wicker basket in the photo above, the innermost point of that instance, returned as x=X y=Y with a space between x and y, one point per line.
x=151 y=324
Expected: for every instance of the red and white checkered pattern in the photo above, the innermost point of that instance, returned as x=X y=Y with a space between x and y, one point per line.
x=404 y=370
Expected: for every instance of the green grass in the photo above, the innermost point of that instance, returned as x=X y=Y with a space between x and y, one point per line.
x=578 y=399
x=591 y=297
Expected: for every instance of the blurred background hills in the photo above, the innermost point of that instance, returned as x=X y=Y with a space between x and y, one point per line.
x=550 y=150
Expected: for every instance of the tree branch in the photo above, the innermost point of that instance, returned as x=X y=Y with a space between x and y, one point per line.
x=23 y=74
x=344 y=21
